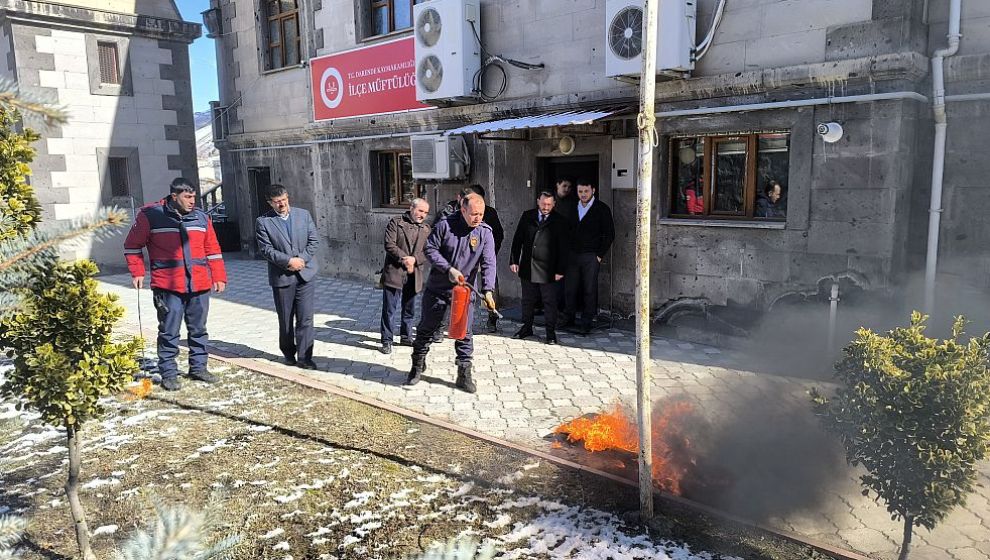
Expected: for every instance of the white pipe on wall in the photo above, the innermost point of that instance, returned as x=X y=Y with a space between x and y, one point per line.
x=938 y=158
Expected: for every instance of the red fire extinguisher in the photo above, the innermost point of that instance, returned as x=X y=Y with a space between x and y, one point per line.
x=460 y=300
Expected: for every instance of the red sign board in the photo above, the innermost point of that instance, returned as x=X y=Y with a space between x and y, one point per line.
x=369 y=80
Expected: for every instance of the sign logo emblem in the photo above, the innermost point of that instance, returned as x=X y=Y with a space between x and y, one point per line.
x=474 y=242
x=331 y=87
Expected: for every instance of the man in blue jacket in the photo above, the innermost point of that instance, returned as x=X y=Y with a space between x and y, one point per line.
x=461 y=248
x=288 y=240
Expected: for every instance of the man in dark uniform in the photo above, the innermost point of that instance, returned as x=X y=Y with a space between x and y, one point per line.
x=491 y=218
x=537 y=256
x=461 y=248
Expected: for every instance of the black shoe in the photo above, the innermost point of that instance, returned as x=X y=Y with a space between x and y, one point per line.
x=170 y=383
x=464 y=381
x=438 y=336
x=584 y=330
x=385 y=348
x=523 y=333
x=492 y=324
x=405 y=342
x=565 y=323
x=551 y=337
x=416 y=373
x=290 y=361
x=307 y=364
x=204 y=376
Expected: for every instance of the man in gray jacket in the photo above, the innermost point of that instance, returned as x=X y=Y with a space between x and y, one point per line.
x=404 y=271
x=288 y=240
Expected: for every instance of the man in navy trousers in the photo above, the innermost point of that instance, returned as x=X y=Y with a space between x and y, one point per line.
x=288 y=240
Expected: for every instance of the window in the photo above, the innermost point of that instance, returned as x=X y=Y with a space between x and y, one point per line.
x=117 y=169
x=741 y=176
x=391 y=15
x=395 y=181
x=282 y=33
x=220 y=122
x=109 y=62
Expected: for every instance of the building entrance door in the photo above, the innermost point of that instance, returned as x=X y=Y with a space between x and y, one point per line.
x=557 y=168
x=260 y=178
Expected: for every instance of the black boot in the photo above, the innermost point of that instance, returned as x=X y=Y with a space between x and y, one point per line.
x=418 y=368
x=524 y=332
x=464 y=381
x=551 y=336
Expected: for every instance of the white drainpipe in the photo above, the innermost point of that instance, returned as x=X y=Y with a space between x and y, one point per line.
x=938 y=159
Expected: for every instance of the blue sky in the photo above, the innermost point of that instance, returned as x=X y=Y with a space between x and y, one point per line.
x=202 y=57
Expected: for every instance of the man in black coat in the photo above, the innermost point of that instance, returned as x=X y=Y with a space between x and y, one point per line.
x=538 y=251
x=491 y=218
x=404 y=273
x=591 y=238
x=288 y=240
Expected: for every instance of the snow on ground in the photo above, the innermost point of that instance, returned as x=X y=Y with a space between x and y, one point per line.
x=341 y=502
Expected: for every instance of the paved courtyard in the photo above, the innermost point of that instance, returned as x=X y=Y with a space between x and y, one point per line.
x=785 y=472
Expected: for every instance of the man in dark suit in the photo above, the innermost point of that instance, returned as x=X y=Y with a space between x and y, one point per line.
x=591 y=237
x=288 y=240
x=404 y=271
x=538 y=251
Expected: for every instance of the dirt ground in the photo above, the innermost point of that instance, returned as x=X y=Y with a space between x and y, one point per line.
x=302 y=474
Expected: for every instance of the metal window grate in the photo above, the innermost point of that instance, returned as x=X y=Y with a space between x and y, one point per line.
x=119 y=186
x=109 y=62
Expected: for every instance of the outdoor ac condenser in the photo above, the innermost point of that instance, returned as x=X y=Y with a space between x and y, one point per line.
x=447 y=50
x=624 y=37
x=439 y=157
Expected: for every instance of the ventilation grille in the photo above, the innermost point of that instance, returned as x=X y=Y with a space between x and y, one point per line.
x=424 y=155
x=625 y=33
x=429 y=26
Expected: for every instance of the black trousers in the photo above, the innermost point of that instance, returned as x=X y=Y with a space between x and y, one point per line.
x=294 y=305
x=532 y=294
x=434 y=308
x=582 y=280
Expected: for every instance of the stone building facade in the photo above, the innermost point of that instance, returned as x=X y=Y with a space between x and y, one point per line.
x=854 y=211
x=121 y=69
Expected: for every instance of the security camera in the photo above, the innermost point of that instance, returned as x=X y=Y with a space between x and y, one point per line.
x=830 y=132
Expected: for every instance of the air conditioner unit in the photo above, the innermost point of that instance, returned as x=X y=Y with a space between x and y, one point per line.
x=677 y=23
x=439 y=157
x=447 y=49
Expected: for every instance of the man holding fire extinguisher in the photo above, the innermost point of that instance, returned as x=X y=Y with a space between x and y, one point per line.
x=461 y=250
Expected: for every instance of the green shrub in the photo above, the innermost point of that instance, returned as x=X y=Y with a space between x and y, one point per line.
x=915 y=413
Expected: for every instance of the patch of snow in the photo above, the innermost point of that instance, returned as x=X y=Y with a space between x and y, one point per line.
x=349 y=540
x=284 y=545
x=502 y=520
x=360 y=499
x=104 y=530
x=273 y=533
x=98 y=482
x=290 y=498
x=531 y=466
x=260 y=429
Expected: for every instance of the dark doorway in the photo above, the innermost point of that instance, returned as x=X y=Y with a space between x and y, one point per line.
x=261 y=179
x=554 y=169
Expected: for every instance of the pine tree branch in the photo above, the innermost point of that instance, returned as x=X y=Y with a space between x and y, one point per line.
x=42 y=241
x=12 y=98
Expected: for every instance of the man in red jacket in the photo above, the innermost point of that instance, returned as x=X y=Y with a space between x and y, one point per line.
x=185 y=264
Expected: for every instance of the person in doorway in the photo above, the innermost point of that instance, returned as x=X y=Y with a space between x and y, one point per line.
x=537 y=256
x=493 y=221
x=186 y=263
x=461 y=249
x=404 y=270
x=591 y=238
x=288 y=240
x=567 y=200
x=768 y=202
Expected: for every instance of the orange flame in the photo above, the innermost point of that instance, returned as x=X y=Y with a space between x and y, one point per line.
x=673 y=456
x=139 y=391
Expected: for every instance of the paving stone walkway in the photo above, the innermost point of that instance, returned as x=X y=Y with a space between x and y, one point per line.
x=784 y=471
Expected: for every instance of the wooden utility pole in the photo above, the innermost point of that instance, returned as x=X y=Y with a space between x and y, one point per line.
x=646 y=122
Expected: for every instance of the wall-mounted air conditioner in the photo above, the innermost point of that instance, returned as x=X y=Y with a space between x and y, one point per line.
x=677 y=23
x=439 y=157
x=447 y=49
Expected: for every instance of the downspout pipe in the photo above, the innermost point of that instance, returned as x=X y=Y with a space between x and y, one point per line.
x=938 y=158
